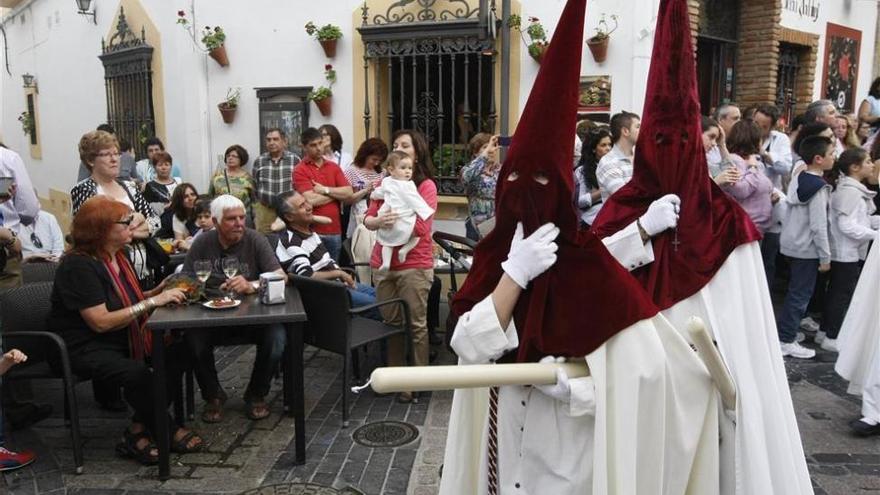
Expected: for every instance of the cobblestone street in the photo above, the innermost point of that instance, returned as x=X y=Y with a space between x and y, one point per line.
x=257 y=457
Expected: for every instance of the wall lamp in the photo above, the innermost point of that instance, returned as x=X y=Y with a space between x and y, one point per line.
x=28 y=81
x=83 y=6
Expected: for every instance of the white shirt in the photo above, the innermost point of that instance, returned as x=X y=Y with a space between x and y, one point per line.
x=778 y=146
x=403 y=198
x=615 y=169
x=25 y=204
x=46 y=229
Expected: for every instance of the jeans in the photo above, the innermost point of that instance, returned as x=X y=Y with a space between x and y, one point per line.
x=333 y=243
x=270 y=341
x=364 y=295
x=800 y=289
x=769 y=251
x=844 y=277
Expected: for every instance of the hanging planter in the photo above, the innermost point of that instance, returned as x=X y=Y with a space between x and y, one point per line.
x=327 y=35
x=598 y=44
x=219 y=55
x=323 y=95
x=537 y=49
x=537 y=43
x=325 y=105
x=229 y=106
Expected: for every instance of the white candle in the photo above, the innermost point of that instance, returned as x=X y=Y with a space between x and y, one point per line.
x=421 y=378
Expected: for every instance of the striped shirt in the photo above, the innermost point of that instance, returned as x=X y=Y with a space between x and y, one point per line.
x=272 y=178
x=303 y=254
x=614 y=171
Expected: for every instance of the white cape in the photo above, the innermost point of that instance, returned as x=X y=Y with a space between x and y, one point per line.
x=859 y=338
x=656 y=428
x=737 y=310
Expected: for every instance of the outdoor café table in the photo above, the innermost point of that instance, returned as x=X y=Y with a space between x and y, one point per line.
x=250 y=312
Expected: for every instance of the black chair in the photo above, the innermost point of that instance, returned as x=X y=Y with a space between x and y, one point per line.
x=38 y=271
x=24 y=313
x=335 y=326
x=463 y=246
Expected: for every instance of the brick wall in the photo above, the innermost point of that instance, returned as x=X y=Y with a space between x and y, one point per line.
x=758 y=51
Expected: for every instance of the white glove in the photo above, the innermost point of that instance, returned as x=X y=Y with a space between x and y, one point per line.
x=531 y=256
x=661 y=215
x=561 y=391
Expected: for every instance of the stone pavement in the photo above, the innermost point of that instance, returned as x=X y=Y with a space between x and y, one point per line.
x=242 y=455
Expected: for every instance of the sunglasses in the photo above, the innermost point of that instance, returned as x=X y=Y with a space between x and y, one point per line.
x=127 y=221
x=36 y=241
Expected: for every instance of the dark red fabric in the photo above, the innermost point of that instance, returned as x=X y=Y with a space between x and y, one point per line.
x=551 y=316
x=669 y=158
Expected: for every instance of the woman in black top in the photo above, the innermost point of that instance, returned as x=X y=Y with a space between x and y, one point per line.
x=100 y=311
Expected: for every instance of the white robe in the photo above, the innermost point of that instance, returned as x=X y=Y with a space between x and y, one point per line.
x=402 y=197
x=644 y=422
x=767 y=456
x=859 y=340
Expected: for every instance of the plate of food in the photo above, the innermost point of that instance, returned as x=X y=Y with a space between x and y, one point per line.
x=224 y=302
x=189 y=285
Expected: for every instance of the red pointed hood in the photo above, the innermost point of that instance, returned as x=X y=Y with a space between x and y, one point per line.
x=669 y=158
x=551 y=316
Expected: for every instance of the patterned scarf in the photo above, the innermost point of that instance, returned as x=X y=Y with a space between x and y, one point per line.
x=140 y=341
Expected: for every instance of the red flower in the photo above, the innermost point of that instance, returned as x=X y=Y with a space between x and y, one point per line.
x=328 y=67
x=181 y=13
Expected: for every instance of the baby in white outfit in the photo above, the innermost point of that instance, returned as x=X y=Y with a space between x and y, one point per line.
x=401 y=196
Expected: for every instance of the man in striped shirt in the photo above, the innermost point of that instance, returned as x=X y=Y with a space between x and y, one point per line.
x=616 y=168
x=301 y=252
x=272 y=174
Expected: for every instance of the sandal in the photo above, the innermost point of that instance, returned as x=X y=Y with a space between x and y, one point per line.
x=257 y=410
x=213 y=412
x=128 y=447
x=182 y=446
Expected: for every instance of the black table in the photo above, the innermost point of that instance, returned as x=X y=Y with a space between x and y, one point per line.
x=250 y=312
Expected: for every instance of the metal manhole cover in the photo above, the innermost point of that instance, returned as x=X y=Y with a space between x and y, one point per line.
x=299 y=489
x=385 y=434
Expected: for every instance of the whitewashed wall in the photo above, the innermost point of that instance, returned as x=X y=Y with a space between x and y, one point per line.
x=855 y=14
x=267 y=47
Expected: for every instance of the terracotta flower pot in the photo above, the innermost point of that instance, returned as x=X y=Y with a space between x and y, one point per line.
x=325 y=105
x=329 y=47
x=227 y=112
x=599 y=48
x=219 y=54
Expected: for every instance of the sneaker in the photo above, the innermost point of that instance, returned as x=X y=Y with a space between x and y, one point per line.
x=863 y=428
x=820 y=336
x=830 y=345
x=10 y=460
x=809 y=324
x=796 y=350
x=800 y=337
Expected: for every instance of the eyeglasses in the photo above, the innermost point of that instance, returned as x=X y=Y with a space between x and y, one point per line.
x=127 y=221
x=36 y=241
x=109 y=154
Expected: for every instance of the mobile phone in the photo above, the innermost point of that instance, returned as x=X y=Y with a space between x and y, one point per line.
x=504 y=140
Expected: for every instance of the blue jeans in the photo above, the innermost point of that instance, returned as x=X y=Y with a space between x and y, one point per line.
x=364 y=295
x=333 y=243
x=800 y=289
x=769 y=250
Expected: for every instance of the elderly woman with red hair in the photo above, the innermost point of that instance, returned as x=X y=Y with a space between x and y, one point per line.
x=99 y=310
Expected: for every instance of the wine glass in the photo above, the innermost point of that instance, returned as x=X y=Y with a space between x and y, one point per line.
x=203 y=271
x=230 y=269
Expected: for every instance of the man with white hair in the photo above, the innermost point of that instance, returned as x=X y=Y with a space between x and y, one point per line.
x=232 y=239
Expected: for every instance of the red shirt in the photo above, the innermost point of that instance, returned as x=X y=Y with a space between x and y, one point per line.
x=421 y=256
x=328 y=174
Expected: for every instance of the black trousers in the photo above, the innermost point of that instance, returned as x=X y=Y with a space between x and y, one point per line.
x=111 y=364
x=842 y=283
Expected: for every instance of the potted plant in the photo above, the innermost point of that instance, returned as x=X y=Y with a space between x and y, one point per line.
x=229 y=106
x=27 y=122
x=323 y=95
x=326 y=35
x=537 y=42
x=213 y=39
x=599 y=43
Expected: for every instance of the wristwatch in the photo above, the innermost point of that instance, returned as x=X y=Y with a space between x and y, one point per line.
x=326 y=191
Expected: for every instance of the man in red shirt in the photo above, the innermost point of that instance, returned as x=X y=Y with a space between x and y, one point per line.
x=324 y=186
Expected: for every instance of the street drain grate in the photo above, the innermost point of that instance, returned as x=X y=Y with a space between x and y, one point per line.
x=385 y=434
x=300 y=489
